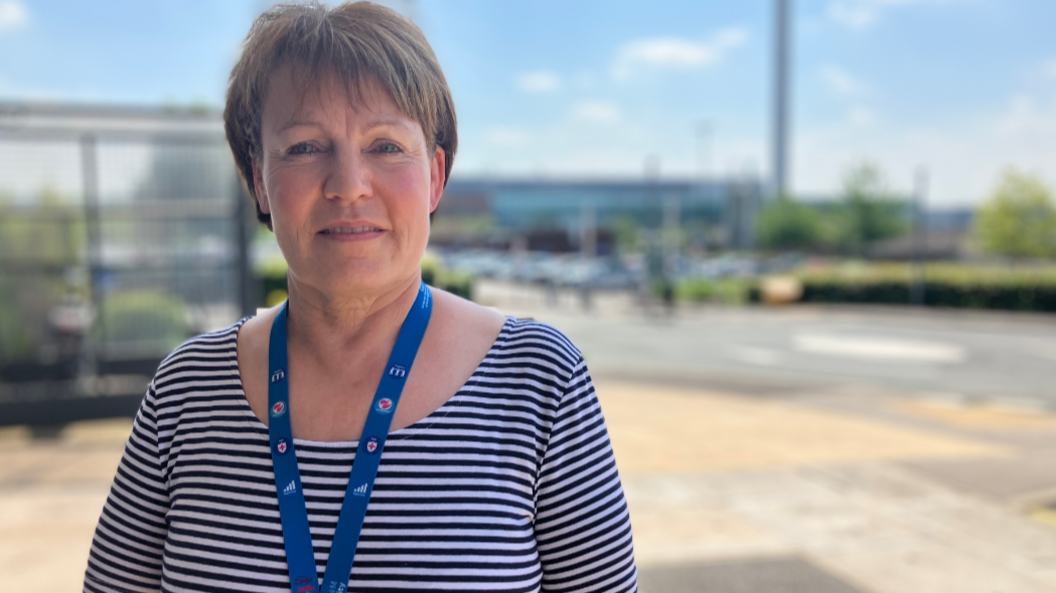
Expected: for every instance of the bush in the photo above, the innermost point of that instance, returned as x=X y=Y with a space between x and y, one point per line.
x=435 y=274
x=142 y=316
x=784 y=224
x=728 y=291
x=945 y=285
x=459 y=284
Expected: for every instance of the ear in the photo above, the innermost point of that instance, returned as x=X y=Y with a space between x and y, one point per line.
x=259 y=189
x=437 y=177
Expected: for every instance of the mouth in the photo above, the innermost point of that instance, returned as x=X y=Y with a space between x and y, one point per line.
x=350 y=230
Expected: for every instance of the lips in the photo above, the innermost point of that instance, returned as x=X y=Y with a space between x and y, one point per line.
x=350 y=230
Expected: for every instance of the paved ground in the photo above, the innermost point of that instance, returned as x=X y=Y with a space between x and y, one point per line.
x=738 y=482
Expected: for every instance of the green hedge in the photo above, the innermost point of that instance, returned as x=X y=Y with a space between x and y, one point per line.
x=1009 y=298
x=435 y=274
x=142 y=316
x=945 y=285
x=729 y=291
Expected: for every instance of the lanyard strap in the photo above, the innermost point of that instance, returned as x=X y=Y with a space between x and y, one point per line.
x=300 y=556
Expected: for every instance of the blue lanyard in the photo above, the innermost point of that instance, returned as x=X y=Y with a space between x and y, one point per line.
x=300 y=556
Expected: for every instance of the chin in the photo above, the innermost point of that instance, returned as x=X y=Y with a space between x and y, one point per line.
x=371 y=279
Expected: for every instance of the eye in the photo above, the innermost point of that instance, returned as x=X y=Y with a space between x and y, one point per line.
x=301 y=148
x=386 y=147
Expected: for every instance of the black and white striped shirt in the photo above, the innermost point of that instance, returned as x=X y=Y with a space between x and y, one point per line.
x=509 y=486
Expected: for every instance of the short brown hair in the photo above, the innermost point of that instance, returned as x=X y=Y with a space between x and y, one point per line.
x=357 y=41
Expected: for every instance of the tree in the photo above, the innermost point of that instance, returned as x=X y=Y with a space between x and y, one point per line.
x=869 y=210
x=1018 y=219
x=627 y=233
x=785 y=224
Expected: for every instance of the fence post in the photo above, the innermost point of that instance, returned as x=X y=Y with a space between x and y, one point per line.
x=90 y=186
x=247 y=296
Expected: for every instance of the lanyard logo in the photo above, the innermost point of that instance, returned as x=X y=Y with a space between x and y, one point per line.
x=277 y=376
x=384 y=405
x=304 y=585
x=398 y=371
x=372 y=444
x=278 y=409
x=290 y=488
x=281 y=446
x=360 y=490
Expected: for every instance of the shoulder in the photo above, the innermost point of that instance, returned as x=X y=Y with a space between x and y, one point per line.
x=538 y=348
x=530 y=333
x=201 y=356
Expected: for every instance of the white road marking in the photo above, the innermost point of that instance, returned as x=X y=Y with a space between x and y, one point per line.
x=879 y=349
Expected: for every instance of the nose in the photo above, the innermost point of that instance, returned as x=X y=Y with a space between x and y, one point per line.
x=348 y=177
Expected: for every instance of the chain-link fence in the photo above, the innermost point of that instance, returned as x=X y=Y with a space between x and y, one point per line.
x=122 y=233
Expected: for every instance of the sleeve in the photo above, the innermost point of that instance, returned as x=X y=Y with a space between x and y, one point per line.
x=126 y=554
x=582 y=527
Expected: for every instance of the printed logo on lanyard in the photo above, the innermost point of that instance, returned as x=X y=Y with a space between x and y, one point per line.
x=278 y=409
x=282 y=446
x=384 y=405
x=304 y=585
x=372 y=445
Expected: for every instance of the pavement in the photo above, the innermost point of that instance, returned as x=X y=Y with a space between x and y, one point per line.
x=739 y=480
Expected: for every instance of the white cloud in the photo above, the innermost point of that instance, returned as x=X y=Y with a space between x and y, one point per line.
x=676 y=53
x=539 y=81
x=842 y=82
x=13 y=14
x=861 y=14
x=597 y=111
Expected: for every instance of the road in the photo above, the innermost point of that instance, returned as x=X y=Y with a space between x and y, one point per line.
x=957 y=356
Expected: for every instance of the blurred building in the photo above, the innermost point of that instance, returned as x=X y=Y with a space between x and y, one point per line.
x=523 y=207
x=945 y=234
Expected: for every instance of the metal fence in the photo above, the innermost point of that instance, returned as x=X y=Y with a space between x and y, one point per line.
x=122 y=233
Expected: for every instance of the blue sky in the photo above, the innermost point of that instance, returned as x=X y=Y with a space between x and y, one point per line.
x=964 y=88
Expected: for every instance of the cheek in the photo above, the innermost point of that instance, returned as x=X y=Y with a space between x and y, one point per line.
x=409 y=201
x=286 y=190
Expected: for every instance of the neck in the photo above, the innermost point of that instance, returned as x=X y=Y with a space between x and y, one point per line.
x=333 y=331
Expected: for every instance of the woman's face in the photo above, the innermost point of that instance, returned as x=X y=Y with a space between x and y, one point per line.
x=349 y=187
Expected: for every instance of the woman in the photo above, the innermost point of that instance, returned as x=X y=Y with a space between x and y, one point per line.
x=497 y=474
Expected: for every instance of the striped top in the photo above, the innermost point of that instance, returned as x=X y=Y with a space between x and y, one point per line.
x=511 y=485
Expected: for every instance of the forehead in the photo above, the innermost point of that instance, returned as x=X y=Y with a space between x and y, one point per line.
x=295 y=95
